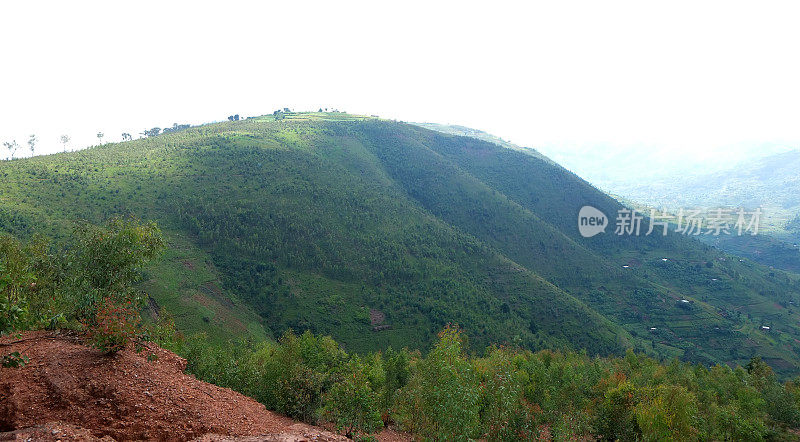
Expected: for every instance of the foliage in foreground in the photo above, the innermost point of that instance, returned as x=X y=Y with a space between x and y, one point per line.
x=506 y=394
x=89 y=286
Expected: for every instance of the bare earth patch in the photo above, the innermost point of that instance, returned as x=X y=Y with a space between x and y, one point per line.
x=72 y=392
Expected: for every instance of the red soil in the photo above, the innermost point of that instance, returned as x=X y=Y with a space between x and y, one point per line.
x=71 y=392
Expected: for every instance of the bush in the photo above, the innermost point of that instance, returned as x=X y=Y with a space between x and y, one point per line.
x=298 y=372
x=505 y=414
x=12 y=313
x=115 y=326
x=506 y=395
x=106 y=263
x=667 y=412
x=397 y=370
x=352 y=403
x=780 y=404
x=616 y=419
x=299 y=392
x=16 y=277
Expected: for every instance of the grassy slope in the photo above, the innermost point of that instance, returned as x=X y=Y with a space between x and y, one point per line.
x=316 y=220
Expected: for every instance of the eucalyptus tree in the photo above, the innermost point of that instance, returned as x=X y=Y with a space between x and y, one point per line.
x=32 y=140
x=151 y=132
x=65 y=140
x=12 y=147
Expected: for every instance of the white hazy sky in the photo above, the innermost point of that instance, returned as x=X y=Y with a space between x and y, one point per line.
x=695 y=77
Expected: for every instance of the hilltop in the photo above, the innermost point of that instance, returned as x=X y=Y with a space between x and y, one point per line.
x=380 y=233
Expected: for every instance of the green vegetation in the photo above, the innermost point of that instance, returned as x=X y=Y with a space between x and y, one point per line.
x=89 y=285
x=380 y=233
x=506 y=394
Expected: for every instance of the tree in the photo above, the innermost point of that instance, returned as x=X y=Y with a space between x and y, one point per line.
x=100 y=137
x=175 y=128
x=32 y=140
x=12 y=147
x=108 y=261
x=151 y=132
x=126 y=136
x=441 y=400
x=65 y=141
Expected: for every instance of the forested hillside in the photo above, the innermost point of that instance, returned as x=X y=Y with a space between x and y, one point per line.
x=380 y=233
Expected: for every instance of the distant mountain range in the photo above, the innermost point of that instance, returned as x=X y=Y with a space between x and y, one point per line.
x=771 y=182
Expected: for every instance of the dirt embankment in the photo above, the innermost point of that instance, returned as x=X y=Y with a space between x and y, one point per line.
x=71 y=392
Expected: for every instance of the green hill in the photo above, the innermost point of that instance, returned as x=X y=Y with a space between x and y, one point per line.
x=380 y=233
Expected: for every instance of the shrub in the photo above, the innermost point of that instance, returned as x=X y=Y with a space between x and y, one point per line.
x=616 y=419
x=397 y=370
x=106 y=263
x=115 y=326
x=352 y=403
x=505 y=414
x=667 y=412
x=299 y=372
x=12 y=313
x=14 y=360
x=16 y=278
x=299 y=392
x=780 y=405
